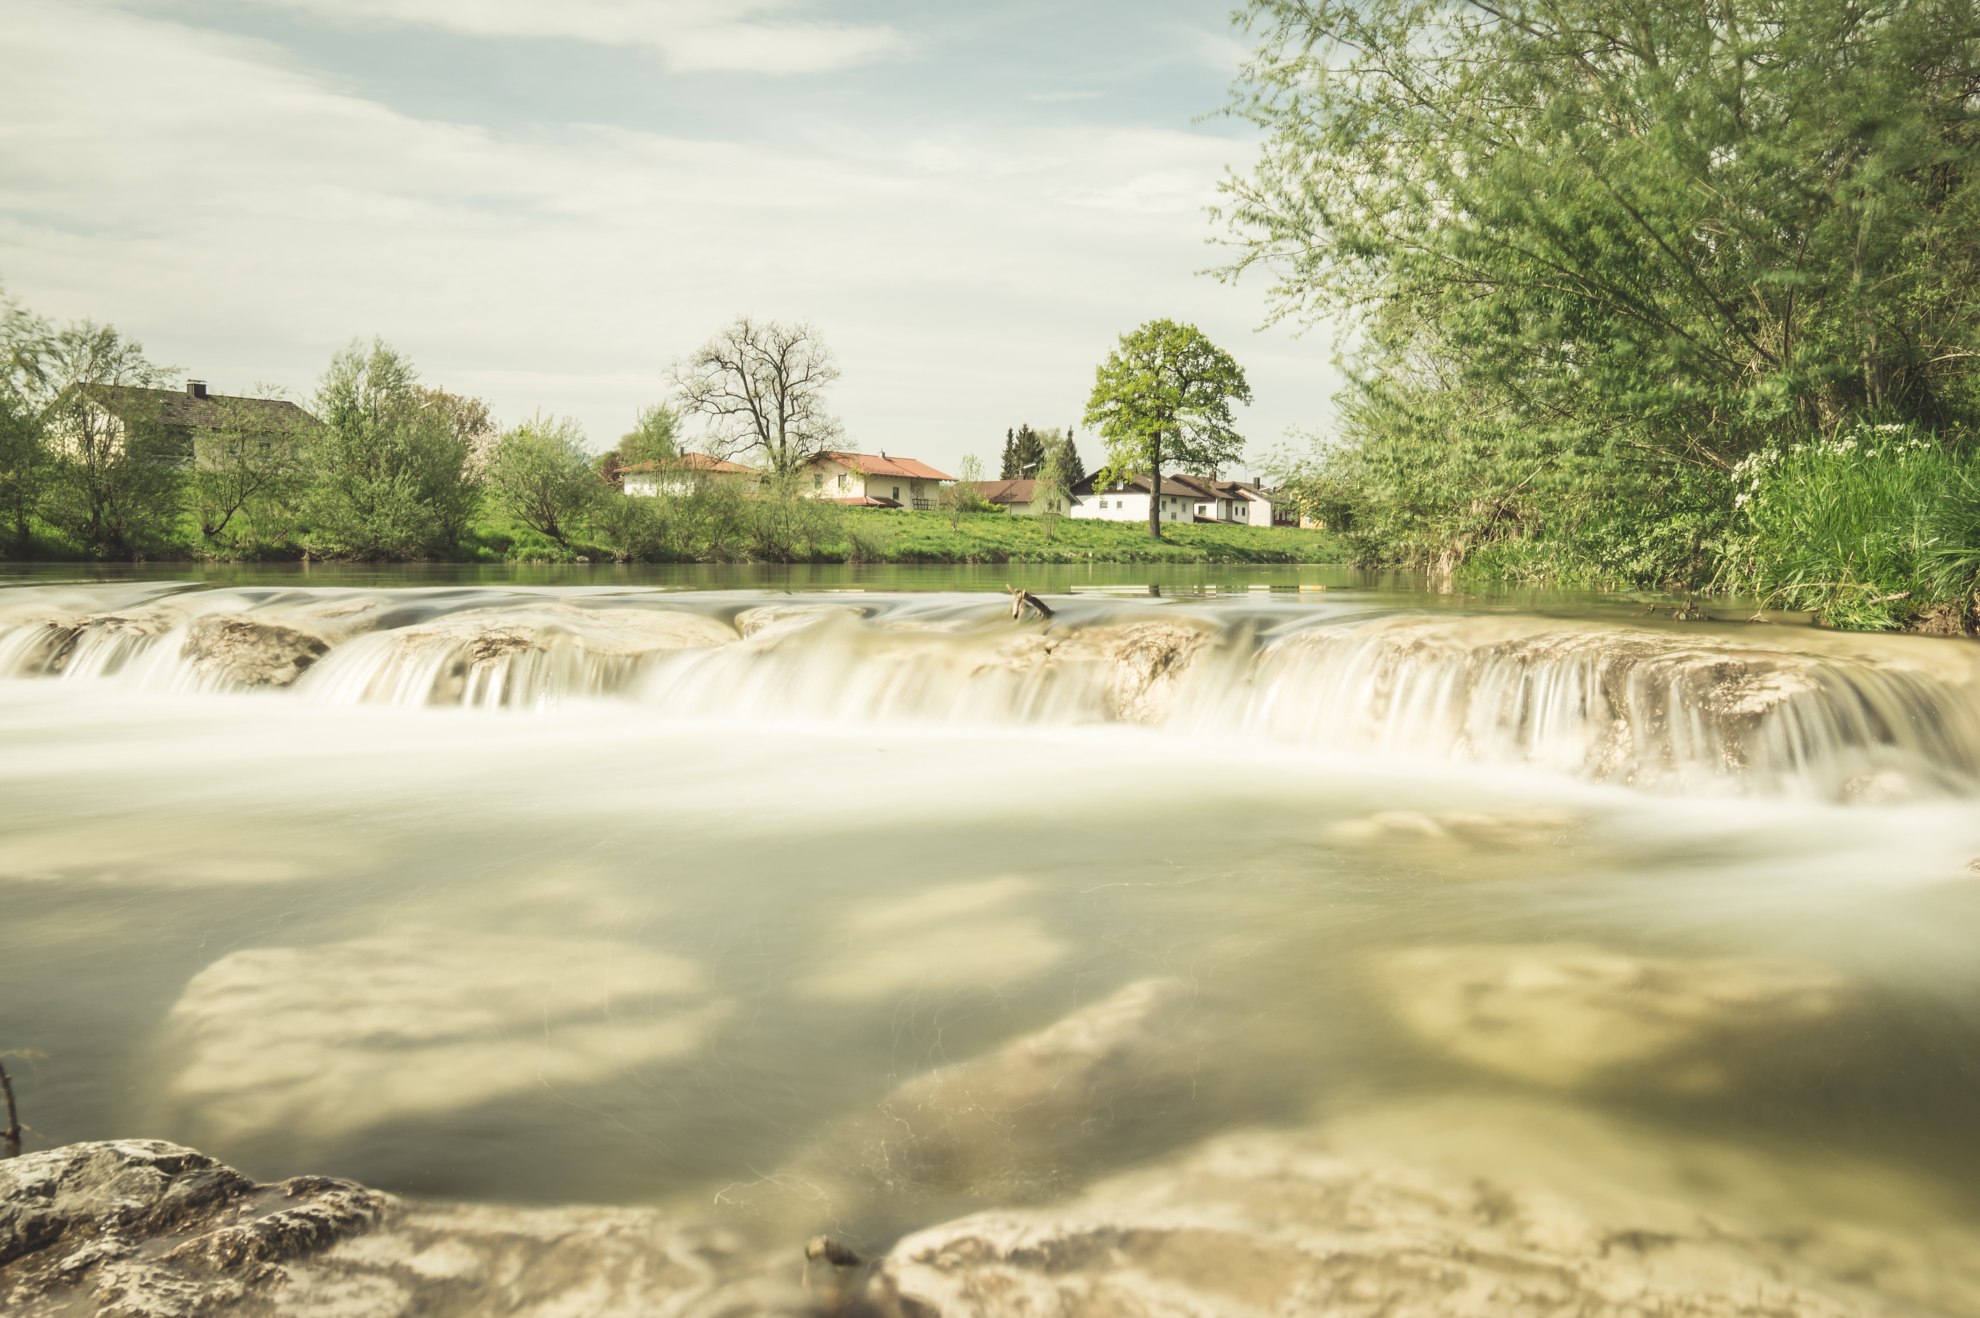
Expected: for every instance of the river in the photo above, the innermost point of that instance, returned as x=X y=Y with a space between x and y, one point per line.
x=651 y=886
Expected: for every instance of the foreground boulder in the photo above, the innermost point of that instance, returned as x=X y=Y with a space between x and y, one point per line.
x=146 y=1229
x=1328 y=1222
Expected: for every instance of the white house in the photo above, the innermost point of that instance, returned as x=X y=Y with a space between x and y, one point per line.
x=1229 y=501
x=1020 y=498
x=1128 y=501
x=873 y=480
x=680 y=475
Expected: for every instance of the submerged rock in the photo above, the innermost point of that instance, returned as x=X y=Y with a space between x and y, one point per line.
x=1565 y=1015
x=146 y=1229
x=1031 y=1119
x=324 y=1040
x=953 y=936
x=1331 y=1221
x=243 y=650
x=776 y=618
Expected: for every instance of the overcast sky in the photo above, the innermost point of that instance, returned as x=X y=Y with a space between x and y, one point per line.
x=545 y=201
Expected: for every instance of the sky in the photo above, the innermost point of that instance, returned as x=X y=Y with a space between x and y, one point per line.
x=544 y=202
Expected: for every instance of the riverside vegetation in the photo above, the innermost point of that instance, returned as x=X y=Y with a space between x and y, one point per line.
x=388 y=468
x=1669 y=296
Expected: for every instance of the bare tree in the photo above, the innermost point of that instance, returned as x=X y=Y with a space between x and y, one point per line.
x=761 y=387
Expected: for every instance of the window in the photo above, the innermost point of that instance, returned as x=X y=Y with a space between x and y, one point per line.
x=842 y=480
x=817 y=481
x=897 y=494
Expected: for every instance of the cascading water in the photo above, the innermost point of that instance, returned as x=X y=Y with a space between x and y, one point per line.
x=1671 y=709
x=1587 y=960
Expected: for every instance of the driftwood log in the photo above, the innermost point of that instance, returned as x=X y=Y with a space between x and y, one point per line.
x=1024 y=599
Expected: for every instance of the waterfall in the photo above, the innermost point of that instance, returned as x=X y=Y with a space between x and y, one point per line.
x=1774 y=711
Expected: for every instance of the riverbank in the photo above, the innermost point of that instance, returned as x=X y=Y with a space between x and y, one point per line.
x=854 y=535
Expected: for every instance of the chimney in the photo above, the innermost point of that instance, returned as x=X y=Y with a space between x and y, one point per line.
x=195 y=388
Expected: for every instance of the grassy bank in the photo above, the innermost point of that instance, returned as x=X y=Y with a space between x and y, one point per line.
x=858 y=535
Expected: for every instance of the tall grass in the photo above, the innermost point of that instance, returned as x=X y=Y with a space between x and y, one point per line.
x=1864 y=530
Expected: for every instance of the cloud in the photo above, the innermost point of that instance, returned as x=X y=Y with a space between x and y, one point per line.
x=763 y=36
x=244 y=216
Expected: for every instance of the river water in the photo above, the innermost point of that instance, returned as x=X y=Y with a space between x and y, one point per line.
x=636 y=887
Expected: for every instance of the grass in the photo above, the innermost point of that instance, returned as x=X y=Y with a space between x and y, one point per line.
x=927 y=537
x=1871 y=530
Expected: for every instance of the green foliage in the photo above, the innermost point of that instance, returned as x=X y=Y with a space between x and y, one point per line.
x=1024 y=453
x=1002 y=538
x=250 y=464
x=1166 y=393
x=389 y=470
x=541 y=475
x=653 y=438
x=966 y=494
x=1862 y=530
x=118 y=468
x=1592 y=257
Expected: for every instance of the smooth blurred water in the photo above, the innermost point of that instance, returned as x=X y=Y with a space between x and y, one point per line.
x=625 y=924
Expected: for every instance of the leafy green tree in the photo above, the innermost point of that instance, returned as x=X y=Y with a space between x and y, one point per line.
x=1166 y=394
x=25 y=461
x=118 y=467
x=1588 y=253
x=389 y=473
x=966 y=494
x=541 y=474
x=653 y=438
x=252 y=460
x=1053 y=490
x=1024 y=453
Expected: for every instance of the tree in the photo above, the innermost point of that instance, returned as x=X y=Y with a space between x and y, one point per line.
x=1071 y=469
x=389 y=470
x=25 y=462
x=253 y=458
x=1591 y=255
x=1053 y=488
x=541 y=472
x=1027 y=452
x=1008 y=469
x=966 y=494
x=760 y=386
x=1165 y=393
x=653 y=437
x=115 y=480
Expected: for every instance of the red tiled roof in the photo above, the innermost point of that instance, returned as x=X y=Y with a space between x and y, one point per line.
x=696 y=462
x=867 y=501
x=874 y=464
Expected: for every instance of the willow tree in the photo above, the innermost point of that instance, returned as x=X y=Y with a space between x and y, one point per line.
x=1577 y=243
x=1165 y=394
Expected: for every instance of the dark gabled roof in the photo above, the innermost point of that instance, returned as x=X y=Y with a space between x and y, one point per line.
x=1139 y=485
x=211 y=412
x=1010 y=491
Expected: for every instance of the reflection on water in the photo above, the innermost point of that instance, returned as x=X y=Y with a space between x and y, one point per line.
x=868 y=915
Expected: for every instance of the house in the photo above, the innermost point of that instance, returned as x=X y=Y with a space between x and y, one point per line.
x=198 y=426
x=873 y=480
x=1241 y=502
x=1020 y=498
x=683 y=473
x=1128 y=501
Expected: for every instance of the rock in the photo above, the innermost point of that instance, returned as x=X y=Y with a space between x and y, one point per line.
x=1031 y=1119
x=777 y=618
x=324 y=1040
x=950 y=937
x=1565 y=1015
x=1148 y=660
x=243 y=650
x=1942 y=620
x=1331 y=1222
x=509 y=655
x=92 y=645
x=1490 y=830
x=145 y=1229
